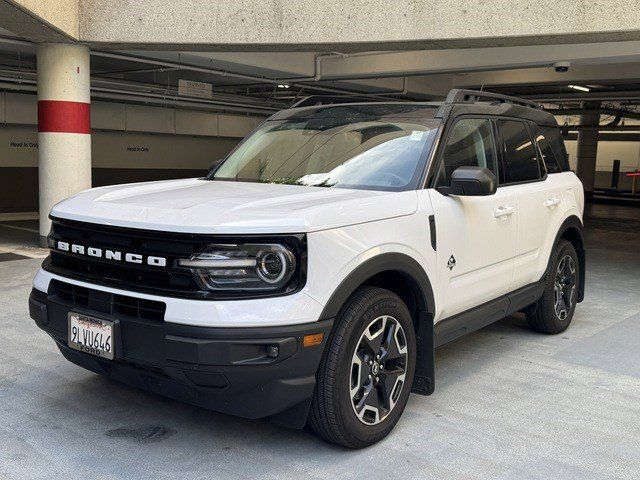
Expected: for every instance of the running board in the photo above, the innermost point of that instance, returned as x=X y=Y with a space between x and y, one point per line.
x=454 y=327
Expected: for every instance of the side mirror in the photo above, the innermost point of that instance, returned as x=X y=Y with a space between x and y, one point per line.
x=471 y=181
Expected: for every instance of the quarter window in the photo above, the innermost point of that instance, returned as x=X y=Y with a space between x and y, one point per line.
x=470 y=144
x=553 y=150
x=520 y=153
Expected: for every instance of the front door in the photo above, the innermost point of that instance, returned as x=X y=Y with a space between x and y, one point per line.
x=476 y=234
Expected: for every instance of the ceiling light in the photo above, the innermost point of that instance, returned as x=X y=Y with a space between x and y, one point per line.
x=580 y=87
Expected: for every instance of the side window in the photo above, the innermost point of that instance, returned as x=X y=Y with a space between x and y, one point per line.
x=520 y=154
x=552 y=147
x=470 y=144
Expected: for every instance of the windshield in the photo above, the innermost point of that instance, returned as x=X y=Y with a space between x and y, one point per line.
x=343 y=151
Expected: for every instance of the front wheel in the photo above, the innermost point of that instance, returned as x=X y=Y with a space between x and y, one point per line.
x=554 y=311
x=365 y=375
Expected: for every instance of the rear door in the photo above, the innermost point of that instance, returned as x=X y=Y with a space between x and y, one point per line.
x=476 y=236
x=539 y=198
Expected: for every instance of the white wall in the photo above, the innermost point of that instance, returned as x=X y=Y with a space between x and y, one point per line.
x=627 y=152
x=19 y=148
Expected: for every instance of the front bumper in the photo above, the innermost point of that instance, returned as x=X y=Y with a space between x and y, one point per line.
x=222 y=369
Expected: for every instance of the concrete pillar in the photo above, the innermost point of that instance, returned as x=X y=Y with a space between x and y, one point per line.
x=64 y=127
x=588 y=147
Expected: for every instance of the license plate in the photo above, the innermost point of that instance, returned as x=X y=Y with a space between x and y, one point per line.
x=91 y=335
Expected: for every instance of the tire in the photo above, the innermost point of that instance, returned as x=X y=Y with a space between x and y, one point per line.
x=349 y=363
x=548 y=315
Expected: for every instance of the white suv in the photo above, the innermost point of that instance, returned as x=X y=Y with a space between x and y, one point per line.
x=309 y=277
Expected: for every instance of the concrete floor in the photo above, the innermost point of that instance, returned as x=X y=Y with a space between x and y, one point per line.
x=509 y=403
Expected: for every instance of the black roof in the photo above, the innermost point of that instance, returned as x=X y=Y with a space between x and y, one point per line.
x=458 y=102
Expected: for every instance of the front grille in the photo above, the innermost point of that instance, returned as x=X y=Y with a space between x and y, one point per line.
x=103 y=302
x=161 y=280
x=169 y=280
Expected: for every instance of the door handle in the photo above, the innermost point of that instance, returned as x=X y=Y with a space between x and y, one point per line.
x=503 y=211
x=551 y=202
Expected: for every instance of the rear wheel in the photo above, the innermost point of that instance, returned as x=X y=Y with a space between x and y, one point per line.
x=365 y=375
x=554 y=311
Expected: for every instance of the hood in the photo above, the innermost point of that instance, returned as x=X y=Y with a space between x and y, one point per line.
x=205 y=206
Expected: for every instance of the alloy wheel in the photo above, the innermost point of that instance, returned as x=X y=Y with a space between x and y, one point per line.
x=564 y=287
x=378 y=370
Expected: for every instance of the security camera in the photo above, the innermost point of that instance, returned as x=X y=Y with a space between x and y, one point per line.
x=561 y=67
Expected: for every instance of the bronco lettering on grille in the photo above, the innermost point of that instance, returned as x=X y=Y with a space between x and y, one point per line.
x=114 y=255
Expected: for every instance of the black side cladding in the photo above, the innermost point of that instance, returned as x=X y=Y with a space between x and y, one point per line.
x=423 y=316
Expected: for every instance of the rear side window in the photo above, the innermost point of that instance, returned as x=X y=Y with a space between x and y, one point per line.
x=520 y=154
x=470 y=144
x=552 y=147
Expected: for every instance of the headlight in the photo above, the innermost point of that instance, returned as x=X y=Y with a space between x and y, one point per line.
x=247 y=266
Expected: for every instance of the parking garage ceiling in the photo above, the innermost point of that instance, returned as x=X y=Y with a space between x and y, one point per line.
x=263 y=82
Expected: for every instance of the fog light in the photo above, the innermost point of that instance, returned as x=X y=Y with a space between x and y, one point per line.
x=273 y=351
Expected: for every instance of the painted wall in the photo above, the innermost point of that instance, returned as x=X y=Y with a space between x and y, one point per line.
x=118 y=157
x=130 y=143
x=627 y=152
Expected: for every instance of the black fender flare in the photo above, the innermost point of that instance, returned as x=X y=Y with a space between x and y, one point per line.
x=419 y=280
x=575 y=226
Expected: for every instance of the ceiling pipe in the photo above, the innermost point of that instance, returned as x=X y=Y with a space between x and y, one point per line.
x=317 y=68
x=241 y=76
x=226 y=73
x=602 y=128
x=195 y=105
x=317 y=75
x=609 y=137
x=29 y=85
x=603 y=111
x=581 y=97
x=223 y=73
x=616 y=120
x=139 y=70
x=185 y=101
x=17 y=87
x=16 y=41
x=153 y=89
x=13 y=74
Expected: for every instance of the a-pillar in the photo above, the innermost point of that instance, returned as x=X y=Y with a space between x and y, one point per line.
x=588 y=146
x=64 y=126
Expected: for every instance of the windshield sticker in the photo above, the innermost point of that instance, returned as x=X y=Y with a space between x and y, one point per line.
x=416 y=135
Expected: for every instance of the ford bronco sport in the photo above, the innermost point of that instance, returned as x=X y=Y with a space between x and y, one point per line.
x=309 y=277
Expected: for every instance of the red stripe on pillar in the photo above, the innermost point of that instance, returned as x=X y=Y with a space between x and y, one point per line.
x=63 y=116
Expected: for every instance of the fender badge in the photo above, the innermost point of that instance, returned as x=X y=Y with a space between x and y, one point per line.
x=451 y=263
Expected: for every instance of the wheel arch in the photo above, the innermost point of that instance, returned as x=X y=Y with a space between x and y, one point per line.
x=572 y=230
x=404 y=276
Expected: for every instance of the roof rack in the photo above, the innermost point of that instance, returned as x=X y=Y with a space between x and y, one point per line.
x=317 y=100
x=471 y=96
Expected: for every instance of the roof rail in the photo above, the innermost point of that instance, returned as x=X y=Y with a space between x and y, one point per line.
x=471 y=96
x=317 y=100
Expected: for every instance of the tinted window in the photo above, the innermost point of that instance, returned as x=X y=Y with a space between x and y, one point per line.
x=553 y=150
x=520 y=154
x=470 y=144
